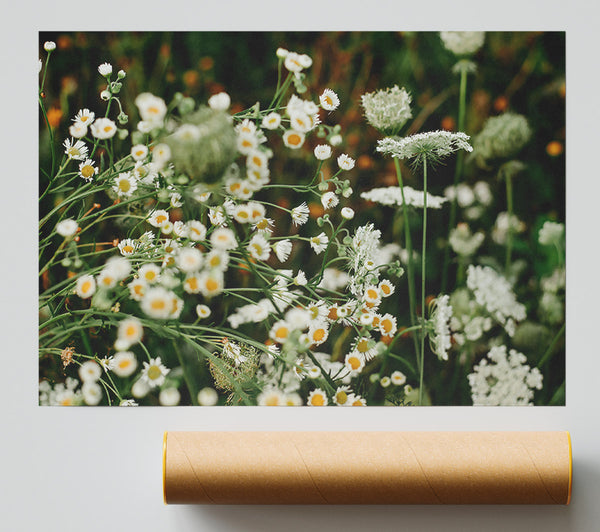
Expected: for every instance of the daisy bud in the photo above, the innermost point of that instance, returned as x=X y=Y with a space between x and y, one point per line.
x=347 y=213
x=121 y=74
x=122 y=118
x=105 y=95
x=347 y=192
x=49 y=46
x=335 y=140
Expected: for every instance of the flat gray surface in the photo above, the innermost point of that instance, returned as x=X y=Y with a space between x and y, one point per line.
x=100 y=469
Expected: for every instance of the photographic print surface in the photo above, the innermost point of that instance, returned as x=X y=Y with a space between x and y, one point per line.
x=319 y=219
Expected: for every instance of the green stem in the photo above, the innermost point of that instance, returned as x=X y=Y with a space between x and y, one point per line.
x=423 y=254
x=550 y=351
x=509 y=234
x=462 y=100
x=189 y=382
x=410 y=266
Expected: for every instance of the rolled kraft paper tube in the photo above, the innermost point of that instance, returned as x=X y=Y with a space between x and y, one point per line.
x=367 y=467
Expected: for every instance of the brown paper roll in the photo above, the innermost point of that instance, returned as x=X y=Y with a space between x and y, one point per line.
x=367 y=468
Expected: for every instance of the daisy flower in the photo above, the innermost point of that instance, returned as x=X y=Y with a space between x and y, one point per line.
x=386 y=288
x=247 y=143
x=314 y=372
x=106 y=279
x=154 y=372
x=318 y=333
x=385 y=382
x=127 y=246
x=49 y=46
x=90 y=371
x=280 y=331
x=85 y=287
x=189 y=260
x=124 y=364
x=259 y=247
x=322 y=152
x=149 y=273
x=211 y=283
x=345 y=162
x=357 y=400
x=301 y=122
x=130 y=332
x=137 y=289
x=217 y=260
x=342 y=396
x=366 y=347
x=196 y=230
x=92 y=393
x=157 y=303
x=296 y=63
x=103 y=128
x=191 y=284
x=105 y=69
x=271 y=121
x=319 y=243
x=75 y=149
x=300 y=214
x=257 y=159
x=329 y=200
x=293 y=139
x=84 y=117
x=78 y=130
x=152 y=109
x=220 y=101
x=282 y=249
x=87 y=170
x=169 y=397
x=271 y=397
x=125 y=184
x=329 y=100
x=387 y=325
x=398 y=378
x=246 y=127
x=203 y=311
x=300 y=278
x=241 y=214
x=161 y=154
x=257 y=211
x=158 y=218
x=223 y=238
x=372 y=295
x=317 y=398
x=139 y=152
x=354 y=363
x=67 y=228
x=293 y=399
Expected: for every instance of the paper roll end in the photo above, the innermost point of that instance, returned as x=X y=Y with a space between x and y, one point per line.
x=570 y=467
x=164 y=467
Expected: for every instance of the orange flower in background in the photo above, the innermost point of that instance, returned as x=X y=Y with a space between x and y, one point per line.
x=54 y=116
x=554 y=148
x=191 y=78
x=501 y=104
x=206 y=63
x=448 y=123
x=316 y=210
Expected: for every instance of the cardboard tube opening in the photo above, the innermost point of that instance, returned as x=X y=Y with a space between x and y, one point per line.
x=367 y=468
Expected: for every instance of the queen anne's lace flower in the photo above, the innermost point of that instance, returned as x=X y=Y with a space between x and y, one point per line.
x=393 y=196
x=495 y=294
x=432 y=145
x=504 y=379
x=501 y=137
x=440 y=319
x=463 y=42
x=387 y=110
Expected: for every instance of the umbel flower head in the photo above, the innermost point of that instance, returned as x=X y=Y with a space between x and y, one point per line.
x=502 y=137
x=203 y=147
x=462 y=42
x=431 y=146
x=387 y=110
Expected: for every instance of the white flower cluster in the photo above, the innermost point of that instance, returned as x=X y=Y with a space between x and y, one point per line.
x=502 y=137
x=552 y=306
x=551 y=233
x=61 y=394
x=440 y=317
x=387 y=110
x=472 y=199
x=432 y=145
x=503 y=223
x=463 y=42
x=504 y=379
x=393 y=196
x=494 y=293
x=463 y=242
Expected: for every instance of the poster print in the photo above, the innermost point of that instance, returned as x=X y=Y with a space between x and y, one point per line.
x=321 y=219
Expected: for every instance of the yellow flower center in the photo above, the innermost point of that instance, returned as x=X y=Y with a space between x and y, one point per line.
x=124 y=364
x=161 y=218
x=107 y=129
x=317 y=400
x=385 y=289
x=192 y=282
x=318 y=335
x=87 y=171
x=272 y=401
x=362 y=346
x=131 y=330
x=154 y=373
x=387 y=325
x=281 y=333
x=128 y=249
x=341 y=397
x=211 y=285
x=86 y=286
x=124 y=185
x=158 y=304
x=354 y=363
x=294 y=139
